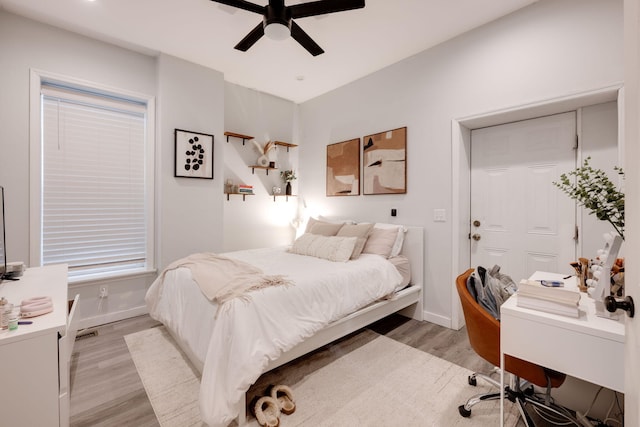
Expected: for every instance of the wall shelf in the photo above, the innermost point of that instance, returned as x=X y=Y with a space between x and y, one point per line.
x=286 y=196
x=285 y=144
x=238 y=135
x=239 y=194
x=266 y=168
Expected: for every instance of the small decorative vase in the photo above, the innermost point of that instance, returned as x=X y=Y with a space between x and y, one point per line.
x=288 y=189
x=263 y=161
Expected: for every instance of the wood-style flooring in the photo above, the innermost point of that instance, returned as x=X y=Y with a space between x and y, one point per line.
x=106 y=389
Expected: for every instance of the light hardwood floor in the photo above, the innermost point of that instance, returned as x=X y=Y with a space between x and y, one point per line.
x=106 y=389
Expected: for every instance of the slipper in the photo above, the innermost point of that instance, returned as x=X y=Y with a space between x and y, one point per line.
x=284 y=396
x=266 y=410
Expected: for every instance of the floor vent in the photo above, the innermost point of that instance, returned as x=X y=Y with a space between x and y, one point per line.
x=86 y=334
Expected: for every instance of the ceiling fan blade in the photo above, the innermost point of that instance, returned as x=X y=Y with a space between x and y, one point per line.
x=242 y=4
x=251 y=38
x=303 y=38
x=321 y=7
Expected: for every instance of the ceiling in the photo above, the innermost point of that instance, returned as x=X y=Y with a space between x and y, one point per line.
x=356 y=43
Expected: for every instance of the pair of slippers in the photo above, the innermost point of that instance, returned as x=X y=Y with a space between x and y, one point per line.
x=267 y=409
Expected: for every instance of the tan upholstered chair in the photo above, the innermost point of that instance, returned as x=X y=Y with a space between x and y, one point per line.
x=484 y=335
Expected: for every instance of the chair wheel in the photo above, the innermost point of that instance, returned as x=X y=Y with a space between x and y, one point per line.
x=472 y=380
x=464 y=412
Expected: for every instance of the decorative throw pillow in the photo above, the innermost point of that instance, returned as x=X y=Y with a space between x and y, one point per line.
x=381 y=241
x=332 y=248
x=324 y=228
x=360 y=231
x=397 y=245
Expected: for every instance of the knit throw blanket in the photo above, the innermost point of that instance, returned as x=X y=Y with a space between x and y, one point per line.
x=222 y=279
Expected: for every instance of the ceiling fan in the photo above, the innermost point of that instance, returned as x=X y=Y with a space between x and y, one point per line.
x=278 y=24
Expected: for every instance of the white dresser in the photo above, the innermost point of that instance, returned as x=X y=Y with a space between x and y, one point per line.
x=35 y=359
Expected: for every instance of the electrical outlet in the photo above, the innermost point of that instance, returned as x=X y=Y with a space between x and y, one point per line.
x=104 y=292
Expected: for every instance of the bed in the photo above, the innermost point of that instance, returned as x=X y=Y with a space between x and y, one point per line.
x=234 y=343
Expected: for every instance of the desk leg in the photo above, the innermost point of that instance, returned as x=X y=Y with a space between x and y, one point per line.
x=501 y=388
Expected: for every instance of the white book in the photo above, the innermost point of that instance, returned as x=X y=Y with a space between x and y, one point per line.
x=534 y=289
x=548 y=306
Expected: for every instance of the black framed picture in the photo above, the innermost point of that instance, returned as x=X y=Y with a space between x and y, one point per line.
x=194 y=154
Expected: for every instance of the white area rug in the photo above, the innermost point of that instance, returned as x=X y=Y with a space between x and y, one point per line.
x=365 y=380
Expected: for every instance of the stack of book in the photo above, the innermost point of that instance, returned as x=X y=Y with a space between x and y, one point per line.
x=245 y=189
x=531 y=294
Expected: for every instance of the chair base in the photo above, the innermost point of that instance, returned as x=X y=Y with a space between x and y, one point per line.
x=522 y=394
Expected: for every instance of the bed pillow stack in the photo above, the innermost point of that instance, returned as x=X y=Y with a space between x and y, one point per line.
x=332 y=239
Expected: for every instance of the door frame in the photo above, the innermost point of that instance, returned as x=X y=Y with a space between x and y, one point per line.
x=461 y=165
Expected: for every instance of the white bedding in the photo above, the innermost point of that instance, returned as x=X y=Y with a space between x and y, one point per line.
x=233 y=347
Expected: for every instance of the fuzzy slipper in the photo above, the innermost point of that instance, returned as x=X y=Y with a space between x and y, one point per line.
x=284 y=396
x=267 y=411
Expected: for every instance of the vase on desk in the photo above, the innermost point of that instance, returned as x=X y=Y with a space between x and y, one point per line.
x=288 y=189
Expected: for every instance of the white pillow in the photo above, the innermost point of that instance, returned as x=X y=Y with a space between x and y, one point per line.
x=332 y=248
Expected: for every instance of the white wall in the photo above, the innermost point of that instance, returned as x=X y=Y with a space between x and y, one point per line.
x=258 y=221
x=190 y=97
x=550 y=49
x=599 y=141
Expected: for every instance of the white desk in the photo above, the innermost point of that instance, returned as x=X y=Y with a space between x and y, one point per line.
x=34 y=368
x=588 y=347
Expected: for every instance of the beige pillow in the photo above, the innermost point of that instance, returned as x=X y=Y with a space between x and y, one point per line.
x=325 y=228
x=381 y=241
x=360 y=231
x=332 y=248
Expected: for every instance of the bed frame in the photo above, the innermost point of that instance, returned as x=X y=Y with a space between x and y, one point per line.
x=407 y=302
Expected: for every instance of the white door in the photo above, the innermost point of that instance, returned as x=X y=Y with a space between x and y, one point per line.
x=519 y=219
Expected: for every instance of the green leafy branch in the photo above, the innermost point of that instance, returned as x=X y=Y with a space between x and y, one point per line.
x=593 y=190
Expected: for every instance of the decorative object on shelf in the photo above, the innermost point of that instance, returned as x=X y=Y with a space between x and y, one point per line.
x=385 y=162
x=193 y=154
x=276 y=190
x=263 y=160
x=594 y=191
x=228 y=186
x=288 y=176
x=343 y=168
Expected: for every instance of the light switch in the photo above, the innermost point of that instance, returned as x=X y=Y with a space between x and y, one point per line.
x=439 y=215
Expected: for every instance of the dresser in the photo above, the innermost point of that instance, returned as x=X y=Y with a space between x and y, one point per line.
x=35 y=358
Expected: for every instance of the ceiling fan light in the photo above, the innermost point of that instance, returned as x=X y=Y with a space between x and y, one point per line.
x=277 y=31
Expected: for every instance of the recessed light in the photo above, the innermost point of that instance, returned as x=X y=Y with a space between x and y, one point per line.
x=299 y=78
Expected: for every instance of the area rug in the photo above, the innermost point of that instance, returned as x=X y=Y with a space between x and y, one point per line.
x=364 y=380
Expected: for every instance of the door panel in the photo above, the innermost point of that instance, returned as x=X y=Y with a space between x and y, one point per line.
x=525 y=222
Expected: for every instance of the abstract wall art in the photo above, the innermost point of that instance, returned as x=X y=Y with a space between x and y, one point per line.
x=384 y=162
x=343 y=168
x=194 y=154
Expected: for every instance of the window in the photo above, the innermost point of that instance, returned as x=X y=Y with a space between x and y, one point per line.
x=96 y=180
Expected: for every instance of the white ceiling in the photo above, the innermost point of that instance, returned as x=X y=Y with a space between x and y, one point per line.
x=356 y=42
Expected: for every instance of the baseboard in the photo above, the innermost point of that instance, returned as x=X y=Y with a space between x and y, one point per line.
x=91 y=322
x=437 y=319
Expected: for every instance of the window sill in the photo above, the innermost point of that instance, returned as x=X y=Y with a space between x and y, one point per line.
x=105 y=277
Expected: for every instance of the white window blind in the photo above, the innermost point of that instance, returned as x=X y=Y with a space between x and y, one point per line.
x=93 y=181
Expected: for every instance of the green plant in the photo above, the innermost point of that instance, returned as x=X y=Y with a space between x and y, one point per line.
x=288 y=175
x=593 y=190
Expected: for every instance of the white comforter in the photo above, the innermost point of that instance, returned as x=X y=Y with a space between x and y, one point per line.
x=236 y=344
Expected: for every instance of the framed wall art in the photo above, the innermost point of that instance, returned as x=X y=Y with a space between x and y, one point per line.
x=194 y=154
x=343 y=168
x=385 y=162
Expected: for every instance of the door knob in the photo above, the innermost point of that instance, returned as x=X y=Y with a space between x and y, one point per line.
x=476 y=223
x=476 y=237
x=627 y=305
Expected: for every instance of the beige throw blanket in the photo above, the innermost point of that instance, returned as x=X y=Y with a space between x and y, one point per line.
x=222 y=279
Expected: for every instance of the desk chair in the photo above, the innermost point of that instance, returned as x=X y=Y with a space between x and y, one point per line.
x=484 y=335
